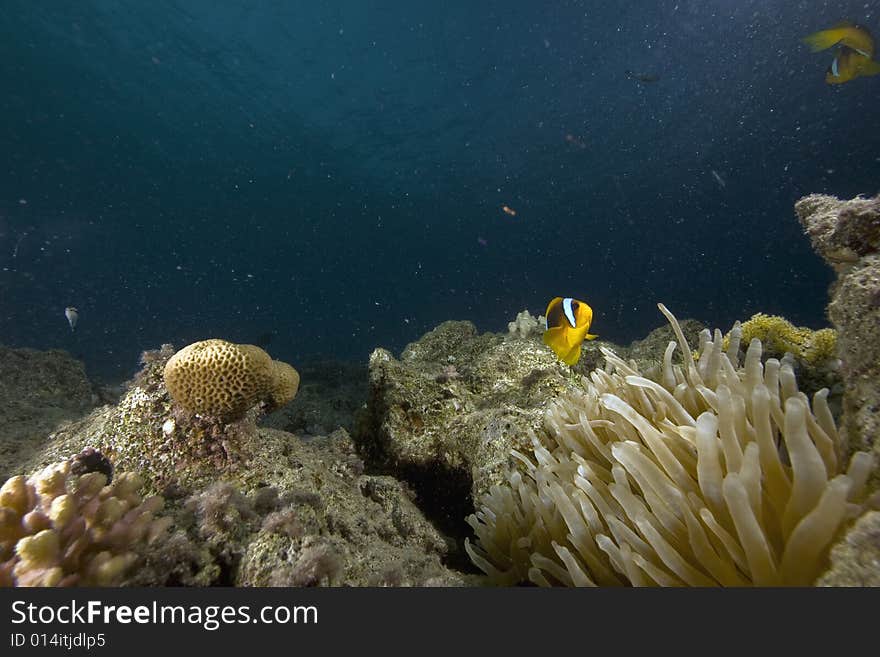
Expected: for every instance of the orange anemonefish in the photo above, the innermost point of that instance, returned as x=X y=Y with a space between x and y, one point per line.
x=846 y=34
x=568 y=321
x=856 y=54
x=848 y=64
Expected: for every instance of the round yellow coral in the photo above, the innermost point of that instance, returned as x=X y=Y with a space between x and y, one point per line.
x=778 y=336
x=285 y=386
x=821 y=346
x=223 y=379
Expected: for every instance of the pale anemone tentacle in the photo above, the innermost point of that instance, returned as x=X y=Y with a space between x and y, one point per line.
x=705 y=473
x=733 y=344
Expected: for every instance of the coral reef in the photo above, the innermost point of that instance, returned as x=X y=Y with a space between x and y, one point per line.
x=145 y=433
x=253 y=506
x=445 y=417
x=526 y=326
x=224 y=380
x=59 y=528
x=38 y=391
x=841 y=231
x=847 y=235
x=855 y=561
x=708 y=475
x=811 y=353
x=662 y=469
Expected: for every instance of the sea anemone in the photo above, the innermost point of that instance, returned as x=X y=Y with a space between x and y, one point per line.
x=706 y=474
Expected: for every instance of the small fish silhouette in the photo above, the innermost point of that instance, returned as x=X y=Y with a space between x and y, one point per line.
x=645 y=78
x=72 y=315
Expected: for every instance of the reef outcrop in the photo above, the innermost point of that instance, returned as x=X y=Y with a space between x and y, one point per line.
x=447 y=414
x=38 y=390
x=252 y=506
x=846 y=233
x=855 y=560
x=461 y=417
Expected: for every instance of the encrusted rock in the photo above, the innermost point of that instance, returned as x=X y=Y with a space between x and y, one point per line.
x=847 y=235
x=855 y=560
x=446 y=416
x=841 y=231
x=310 y=498
x=38 y=391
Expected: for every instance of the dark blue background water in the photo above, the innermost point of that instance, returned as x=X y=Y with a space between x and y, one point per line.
x=334 y=173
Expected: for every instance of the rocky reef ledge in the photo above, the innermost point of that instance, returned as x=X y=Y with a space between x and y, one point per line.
x=245 y=505
x=38 y=391
x=846 y=233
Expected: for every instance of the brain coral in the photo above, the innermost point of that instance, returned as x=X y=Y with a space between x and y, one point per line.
x=224 y=380
x=712 y=474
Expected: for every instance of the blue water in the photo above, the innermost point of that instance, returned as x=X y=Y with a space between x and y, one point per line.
x=333 y=173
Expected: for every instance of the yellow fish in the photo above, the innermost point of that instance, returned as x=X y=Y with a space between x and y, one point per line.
x=855 y=56
x=848 y=64
x=846 y=34
x=568 y=321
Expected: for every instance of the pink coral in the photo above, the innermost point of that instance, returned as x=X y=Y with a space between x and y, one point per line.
x=60 y=528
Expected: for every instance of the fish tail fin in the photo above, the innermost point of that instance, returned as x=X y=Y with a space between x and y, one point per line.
x=824 y=39
x=572 y=356
x=590 y=336
x=870 y=68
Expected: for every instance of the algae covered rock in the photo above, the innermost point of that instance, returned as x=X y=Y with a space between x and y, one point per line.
x=355 y=529
x=847 y=235
x=38 y=391
x=144 y=433
x=855 y=560
x=446 y=415
x=304 y=514
x=252 y=506
x=841 y=231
